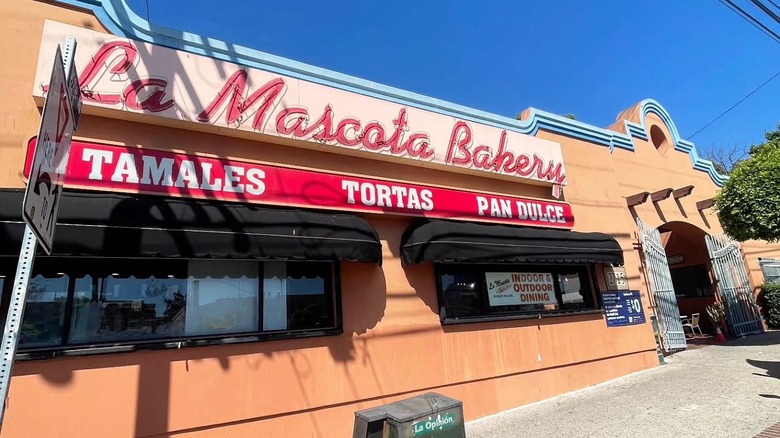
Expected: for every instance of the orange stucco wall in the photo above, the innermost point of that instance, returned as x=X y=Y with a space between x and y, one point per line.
x=393 y=345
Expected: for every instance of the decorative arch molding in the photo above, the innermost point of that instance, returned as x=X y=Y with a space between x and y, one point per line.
x=120 y=20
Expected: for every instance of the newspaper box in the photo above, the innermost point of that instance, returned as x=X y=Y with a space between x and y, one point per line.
x=428 y=415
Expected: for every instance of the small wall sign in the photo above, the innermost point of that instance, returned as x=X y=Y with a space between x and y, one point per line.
x=675 y=259
x=615 y=277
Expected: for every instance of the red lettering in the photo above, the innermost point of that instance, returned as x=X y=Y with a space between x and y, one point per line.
x=323 y=126
x=524 y=166
x=481 y=157
x=374 y=136
x=232 y=93
x=297 y=128
x=122 y=54
x=237 y=101
x=460 y=138
x=502 y=155
x=554 y=172
x=401 y=125
x=419 y=145
x=459 y=154
x=344 y=126
x=153 y=101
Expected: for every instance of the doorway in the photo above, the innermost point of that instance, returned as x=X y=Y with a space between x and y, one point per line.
x=688 y=270
x=691 y=270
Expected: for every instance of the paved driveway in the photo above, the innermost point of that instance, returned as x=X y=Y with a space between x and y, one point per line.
x=726 y=390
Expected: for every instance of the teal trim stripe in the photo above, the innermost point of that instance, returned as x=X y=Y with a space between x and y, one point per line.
x=120 y=20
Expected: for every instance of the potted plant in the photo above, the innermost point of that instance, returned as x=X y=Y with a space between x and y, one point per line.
x=717 y=314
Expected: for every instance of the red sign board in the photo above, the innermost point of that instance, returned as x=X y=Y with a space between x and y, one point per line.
x=117 y=168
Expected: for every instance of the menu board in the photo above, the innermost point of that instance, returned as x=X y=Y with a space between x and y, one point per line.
x=623 y=308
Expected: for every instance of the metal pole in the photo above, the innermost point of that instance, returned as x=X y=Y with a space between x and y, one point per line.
x=15 y=316
x=13 y=320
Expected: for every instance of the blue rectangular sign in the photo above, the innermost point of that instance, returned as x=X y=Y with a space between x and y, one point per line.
x=623 y=308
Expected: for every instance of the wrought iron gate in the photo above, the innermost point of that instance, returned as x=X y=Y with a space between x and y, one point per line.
x=730 y=274
x=657 y=268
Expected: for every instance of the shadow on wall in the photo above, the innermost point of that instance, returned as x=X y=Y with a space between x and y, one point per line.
x=422 y=279
x=365 y=294
x=364 y=299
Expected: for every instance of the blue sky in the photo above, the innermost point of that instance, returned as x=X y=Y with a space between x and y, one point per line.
x=590 y=58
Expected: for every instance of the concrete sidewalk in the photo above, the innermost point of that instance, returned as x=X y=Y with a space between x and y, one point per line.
x=726 y=390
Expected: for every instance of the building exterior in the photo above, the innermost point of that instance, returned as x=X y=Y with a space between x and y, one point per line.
x=249 y=246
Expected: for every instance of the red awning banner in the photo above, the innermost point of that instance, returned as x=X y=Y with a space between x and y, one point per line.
x=113 y=168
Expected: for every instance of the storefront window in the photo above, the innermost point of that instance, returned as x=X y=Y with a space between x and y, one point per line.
x=222 y=297
x=127 y=309
x=44 y=313
x=308 y=297
x=116 y=301
x=461 y=294
x=473 y=291
x=87 y=311
x=297 y=296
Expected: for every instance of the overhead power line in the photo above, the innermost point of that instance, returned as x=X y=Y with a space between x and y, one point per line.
x=752 y=20
x=735 y=105
x=760 y=26
x=766 y=10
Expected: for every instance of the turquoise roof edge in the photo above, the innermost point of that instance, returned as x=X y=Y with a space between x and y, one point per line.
x=119 y=19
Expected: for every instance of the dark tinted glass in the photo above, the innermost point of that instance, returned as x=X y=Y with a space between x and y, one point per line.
x=484 y=290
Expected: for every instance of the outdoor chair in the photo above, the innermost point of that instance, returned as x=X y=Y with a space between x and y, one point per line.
x=693 y=324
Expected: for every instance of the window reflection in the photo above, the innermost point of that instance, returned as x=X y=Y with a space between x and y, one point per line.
x=127 y=308
x=44 y=313
x=308 y=297
x=461 y=294
x=222 y=297
x=87 y=311
x=572 y=292
x=297 y=296
x=122 y=301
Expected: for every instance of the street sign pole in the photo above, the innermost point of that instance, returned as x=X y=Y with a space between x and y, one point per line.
x=64 y=122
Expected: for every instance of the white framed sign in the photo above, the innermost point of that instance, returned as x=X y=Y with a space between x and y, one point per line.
x=44 y=186
x=520 y=288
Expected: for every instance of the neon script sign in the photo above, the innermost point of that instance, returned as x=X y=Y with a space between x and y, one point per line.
x=157 y=81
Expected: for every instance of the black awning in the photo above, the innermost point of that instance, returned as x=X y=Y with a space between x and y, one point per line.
x=445 y=241
x=120 y=225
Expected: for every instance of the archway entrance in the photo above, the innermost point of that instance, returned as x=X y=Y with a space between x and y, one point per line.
x=691 y=270
x=687 y=271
